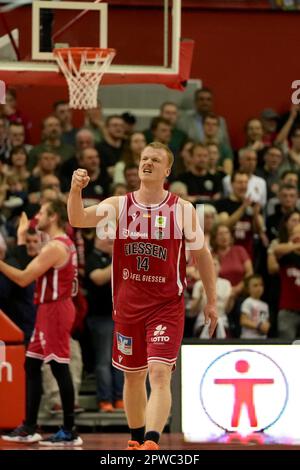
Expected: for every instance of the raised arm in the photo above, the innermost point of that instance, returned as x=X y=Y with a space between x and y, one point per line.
x=285 y=130
x=51 y=255
x=86 y=217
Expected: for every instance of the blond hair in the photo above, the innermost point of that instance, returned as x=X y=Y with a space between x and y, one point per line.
x=160 y=146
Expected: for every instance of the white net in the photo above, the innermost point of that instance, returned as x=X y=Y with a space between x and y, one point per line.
x=83 y=70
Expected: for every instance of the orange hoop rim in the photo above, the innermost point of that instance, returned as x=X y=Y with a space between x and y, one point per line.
x=91 y=52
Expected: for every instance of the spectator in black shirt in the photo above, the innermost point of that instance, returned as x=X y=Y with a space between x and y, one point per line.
x=109 y=381
x=98 y=187
x=84 y=139
x=112 y=145
x=240 y=213
x=201 y=184
x=287 y=195
x=16 y=301
x=270 y=172
x=131 y=174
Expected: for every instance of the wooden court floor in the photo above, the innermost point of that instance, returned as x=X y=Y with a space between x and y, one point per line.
x=113 y=441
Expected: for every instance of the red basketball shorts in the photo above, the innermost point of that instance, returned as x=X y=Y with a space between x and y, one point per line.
x=155 y=339
x=50 y=339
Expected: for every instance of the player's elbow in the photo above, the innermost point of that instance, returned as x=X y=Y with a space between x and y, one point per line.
x=75 y=221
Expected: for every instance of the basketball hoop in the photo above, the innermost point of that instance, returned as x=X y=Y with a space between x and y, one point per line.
x=83 y=68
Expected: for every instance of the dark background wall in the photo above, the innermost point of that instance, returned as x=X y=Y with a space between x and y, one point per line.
x=249 y=57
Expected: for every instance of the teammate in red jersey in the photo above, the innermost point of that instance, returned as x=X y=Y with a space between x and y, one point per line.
x=55 y=272
x=148 y=278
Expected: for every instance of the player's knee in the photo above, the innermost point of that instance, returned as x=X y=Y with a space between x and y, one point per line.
x=135 y=377
x=159 y=374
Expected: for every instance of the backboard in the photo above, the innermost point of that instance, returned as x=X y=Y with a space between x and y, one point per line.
x=145 y=33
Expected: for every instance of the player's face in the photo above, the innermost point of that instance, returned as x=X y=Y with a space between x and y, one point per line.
x=43 y=218
x=154 y=165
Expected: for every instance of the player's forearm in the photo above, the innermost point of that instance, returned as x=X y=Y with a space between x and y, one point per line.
x=14 y=274
x=75 y=208
x=206 y=269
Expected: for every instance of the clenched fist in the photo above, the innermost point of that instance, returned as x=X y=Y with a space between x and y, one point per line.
x=80 y=179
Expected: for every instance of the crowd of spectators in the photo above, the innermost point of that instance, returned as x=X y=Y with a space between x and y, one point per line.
x=250 y=198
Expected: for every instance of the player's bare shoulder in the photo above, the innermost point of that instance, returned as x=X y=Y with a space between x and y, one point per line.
x=53 y=250
x=56 y=245
x=184 y=203
x=184 y=211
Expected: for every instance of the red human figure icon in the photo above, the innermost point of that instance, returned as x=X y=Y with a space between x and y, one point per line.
x=243 y=393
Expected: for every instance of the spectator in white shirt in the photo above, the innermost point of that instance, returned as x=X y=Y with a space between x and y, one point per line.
x=224 y=305
x=257 y=187
x=254 y=318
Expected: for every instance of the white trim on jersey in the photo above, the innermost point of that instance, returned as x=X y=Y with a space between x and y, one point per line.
x=43 y=289
x=179 y=283
x=55 y=284
x=152 y=207
x=54 y=357
x=34 y=355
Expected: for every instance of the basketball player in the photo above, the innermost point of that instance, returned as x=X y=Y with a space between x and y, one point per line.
x=55 y=271
x=148 y=281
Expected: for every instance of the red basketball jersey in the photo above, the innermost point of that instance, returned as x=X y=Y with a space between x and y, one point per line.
x=58 y=283
x=148 y=260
